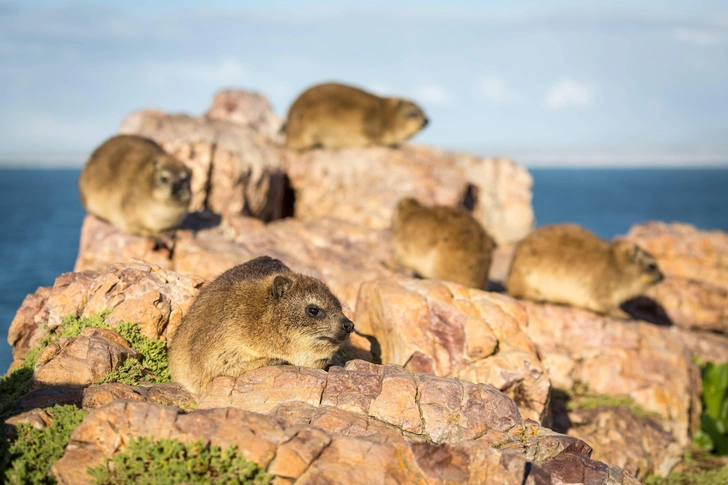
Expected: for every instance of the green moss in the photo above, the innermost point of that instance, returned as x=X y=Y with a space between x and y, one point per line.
x=29 y=457
x=12 y=386
x=169 y=462
x=580 y=398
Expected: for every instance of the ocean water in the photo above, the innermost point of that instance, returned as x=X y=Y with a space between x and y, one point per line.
x=40 y=216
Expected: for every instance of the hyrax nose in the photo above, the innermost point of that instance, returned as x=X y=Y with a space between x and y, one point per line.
x=347 y=325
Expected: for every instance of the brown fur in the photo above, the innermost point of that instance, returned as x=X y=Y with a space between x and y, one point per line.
x=338 y=116
x=135 y=185
x=445 y=243
x=256 y=314
x=567 y=264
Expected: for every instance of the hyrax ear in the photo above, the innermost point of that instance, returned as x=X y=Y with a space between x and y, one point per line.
x=625 y=251
x=280 y=286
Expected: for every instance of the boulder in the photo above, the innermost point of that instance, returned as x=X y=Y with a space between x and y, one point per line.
x=236 y=170
x=448 y=330
x=695 y=291
x=646 y=362
x=363 y=185
x=247 y=109
x=81 y=360
x=153 y=298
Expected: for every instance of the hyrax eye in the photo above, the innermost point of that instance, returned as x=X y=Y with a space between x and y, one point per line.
x=652 y=266
x=164 y=179
x=313 y=311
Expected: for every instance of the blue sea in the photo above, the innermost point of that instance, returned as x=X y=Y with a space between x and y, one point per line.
x=40 y=216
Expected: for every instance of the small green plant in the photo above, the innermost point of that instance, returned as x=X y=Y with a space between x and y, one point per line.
x=169 y=462
x=28 y=458
x=152 y=366
x=713 y=432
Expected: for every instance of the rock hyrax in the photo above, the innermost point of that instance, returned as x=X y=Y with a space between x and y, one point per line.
x=565 y=263
x=135 y=185
x=338 y=116
x=256 y=314
x=445 y=243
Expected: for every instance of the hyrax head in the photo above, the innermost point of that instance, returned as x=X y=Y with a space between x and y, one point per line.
x=312 y=314
x=636 y=265
x=406 y=119
x=171 y=180
x=404 y=208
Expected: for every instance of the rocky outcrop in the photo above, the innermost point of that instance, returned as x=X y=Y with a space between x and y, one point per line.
x=138 y=292
x=643 y=361
x=363 y=185
x=306 y=454
x=239 y=168
x=623 y=438
x=694 y=294
x=451 y=331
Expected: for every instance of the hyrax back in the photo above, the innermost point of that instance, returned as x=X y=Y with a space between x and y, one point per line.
x=135 y=185
x=445 y=243
x=256 y=314
x=334 y=115
x=567 y=264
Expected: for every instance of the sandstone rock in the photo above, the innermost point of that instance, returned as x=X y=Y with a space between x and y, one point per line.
x=171 y=394
x=618 y=436
x=102 y=244
x=306 y=454
x=144 y=294
x=684 y=251
x=436 y=409
x=246 y=109
x=646 y=362
x=236 y=170
x=705 y=346
x=81 y=360
x=341 y=254
x=37 y=418
x=452 y=331
x=363 y=185
x=695 y=291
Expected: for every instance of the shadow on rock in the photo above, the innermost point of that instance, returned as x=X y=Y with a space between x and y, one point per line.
x=648 y=310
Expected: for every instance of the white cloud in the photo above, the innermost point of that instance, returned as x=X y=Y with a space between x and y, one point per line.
x=568 y=92
x=495 y=90
x=228 y=71
x=696 y=36
x=432 y=94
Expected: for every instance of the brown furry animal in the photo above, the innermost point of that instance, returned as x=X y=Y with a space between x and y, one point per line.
x=567 y=264
x=334 y=115
x=445 y=243
x=135 y=185
x=256 y=314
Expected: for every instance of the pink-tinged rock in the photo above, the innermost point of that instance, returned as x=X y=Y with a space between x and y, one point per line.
x=363 y=185
x=705 y=346
x=341 y=254
x=24 y=332
x=247 y=109
x=646 y=362
x=309 y=455
x=170 y=394
x=692 y=304
x=437 y=409
x=263 y=389
x=37 y=418
x=153 y=298
x=684 y=251
x=451 y=331
x=102 y=244
x=236 y=170
x=81 y=360
x=618 y=436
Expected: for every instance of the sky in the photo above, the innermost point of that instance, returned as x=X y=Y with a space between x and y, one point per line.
x=546 y=82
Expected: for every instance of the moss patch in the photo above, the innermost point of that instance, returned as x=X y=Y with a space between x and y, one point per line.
x=152 y=366
x=580 y=398
x=29 y=457
x=169 y=461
